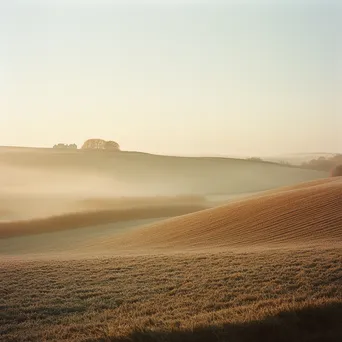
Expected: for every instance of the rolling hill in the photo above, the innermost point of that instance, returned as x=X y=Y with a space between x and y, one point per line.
x=306 y=214
x=101 y=173
x=262 y=267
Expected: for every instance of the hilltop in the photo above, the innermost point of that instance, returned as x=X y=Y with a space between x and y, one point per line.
x=136 y=173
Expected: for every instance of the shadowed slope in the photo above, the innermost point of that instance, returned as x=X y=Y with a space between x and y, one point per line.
x=304 y=214
x=319 y=322
x=89 y=218
x=22 y=208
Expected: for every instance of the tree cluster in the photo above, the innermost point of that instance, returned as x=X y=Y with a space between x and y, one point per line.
x=65 y=146
x=337 y=171
x=100 y=144
x=324 y=164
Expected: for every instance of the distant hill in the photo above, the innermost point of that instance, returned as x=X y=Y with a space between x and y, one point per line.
x=134 y=173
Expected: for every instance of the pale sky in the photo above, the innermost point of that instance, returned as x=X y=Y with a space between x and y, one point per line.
x=173 y=77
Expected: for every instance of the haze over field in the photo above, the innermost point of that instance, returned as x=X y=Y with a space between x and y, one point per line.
x=38 y=183
x=86 y=227
x=170 y=171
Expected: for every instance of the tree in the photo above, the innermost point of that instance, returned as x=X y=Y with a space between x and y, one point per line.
x=100 y=144
x=65 y=146
x=94 y=144
x=324 y=164
x=337 y=171
x=112 y=145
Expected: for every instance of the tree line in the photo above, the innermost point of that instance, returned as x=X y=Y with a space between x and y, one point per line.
x=92 y=144
x=323 y=163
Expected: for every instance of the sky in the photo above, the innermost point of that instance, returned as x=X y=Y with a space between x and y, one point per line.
x=251 y=78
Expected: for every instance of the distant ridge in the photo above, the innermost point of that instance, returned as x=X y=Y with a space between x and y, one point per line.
x=147 y=173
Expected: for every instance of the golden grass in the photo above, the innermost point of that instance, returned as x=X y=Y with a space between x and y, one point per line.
x=305 y=214
x=266 y=296
x=266 y=268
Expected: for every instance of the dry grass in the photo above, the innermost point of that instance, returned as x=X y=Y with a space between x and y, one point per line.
x=184 y=282
x=267 y=296
x=309 y=213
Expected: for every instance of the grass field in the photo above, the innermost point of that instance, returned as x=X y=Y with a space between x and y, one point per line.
x=87 y=263
x=279 y=295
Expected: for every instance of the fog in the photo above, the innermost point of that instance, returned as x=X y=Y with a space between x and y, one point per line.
x=41 y=182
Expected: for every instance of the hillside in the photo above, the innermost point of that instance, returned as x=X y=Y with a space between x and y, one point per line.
x=138 y=174
x=306 y=214
x=262 y=268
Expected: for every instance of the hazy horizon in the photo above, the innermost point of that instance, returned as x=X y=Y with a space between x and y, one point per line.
x=170 y=78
